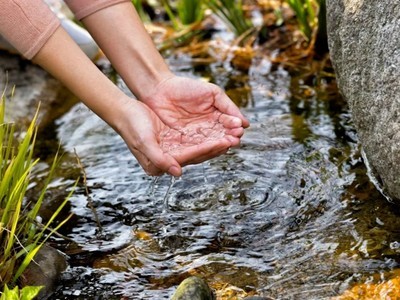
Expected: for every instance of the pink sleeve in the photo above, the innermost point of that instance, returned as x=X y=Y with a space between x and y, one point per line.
x=84 y=8
x=27 y=24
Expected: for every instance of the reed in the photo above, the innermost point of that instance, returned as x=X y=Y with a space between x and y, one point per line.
x=140 y=10
x=183 y=12
x=21 y=236
x=170 y=12
x=232 y=14
x=190 y=11
x=306 y=14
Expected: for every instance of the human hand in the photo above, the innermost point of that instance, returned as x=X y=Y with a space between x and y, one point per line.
x=193 y=106
x=198 y=113
x=160 y=149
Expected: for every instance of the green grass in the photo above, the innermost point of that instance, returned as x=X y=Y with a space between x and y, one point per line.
x=232 y=14
x=20 y=235
x=190 y=11
x=140 y=10
x=183 y=12
x=306 y=14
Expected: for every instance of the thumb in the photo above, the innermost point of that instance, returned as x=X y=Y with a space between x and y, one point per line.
x=224 y=104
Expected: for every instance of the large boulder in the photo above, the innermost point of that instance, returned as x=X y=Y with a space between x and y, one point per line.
x=364 y=42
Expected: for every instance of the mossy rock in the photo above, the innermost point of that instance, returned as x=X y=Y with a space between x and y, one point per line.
x=193 y=288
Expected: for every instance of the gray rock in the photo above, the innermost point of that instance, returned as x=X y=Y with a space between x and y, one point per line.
x=364 y=42
x=193 y=288
x=45 y=270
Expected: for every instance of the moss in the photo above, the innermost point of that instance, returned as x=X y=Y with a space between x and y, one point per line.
x=193 y=288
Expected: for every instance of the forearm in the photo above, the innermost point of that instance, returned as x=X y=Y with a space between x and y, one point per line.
x=121 y=35
x=61 y=57
x=134 y=121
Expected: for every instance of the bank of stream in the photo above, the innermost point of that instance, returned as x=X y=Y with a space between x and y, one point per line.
x=291 y=214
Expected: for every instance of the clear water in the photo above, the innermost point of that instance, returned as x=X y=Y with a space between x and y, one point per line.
x=290 y=214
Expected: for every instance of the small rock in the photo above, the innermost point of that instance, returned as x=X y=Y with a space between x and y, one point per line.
x=193 y=288
x=45 y=270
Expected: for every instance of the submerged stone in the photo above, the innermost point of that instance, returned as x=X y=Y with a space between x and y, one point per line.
x=389 y=289
x=193 y=288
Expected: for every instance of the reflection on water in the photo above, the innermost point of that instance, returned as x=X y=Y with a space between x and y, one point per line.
x=290 y=214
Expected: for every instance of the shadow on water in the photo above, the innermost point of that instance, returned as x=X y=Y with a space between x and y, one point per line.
x=291 y=214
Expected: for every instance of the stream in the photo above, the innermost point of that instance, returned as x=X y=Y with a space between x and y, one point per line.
x=291 y=214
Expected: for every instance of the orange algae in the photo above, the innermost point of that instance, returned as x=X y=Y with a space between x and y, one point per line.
x=388 y=290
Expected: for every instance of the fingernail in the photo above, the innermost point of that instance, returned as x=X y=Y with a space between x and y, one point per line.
x=174 y=171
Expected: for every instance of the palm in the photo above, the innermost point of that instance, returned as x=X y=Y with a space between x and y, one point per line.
x=157 y=146
x=198 y=108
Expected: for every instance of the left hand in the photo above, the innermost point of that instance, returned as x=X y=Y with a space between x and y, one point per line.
x=198 y=108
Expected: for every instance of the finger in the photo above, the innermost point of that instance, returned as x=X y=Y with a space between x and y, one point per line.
x=225 y=105
x=237 y=132
x=201 y=159
x=230 y=121
x=147 y=166
x=235 y=141
x=161 y=160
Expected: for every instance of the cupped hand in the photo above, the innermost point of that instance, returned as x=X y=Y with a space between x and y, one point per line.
x=161 y=149
x=195 y=106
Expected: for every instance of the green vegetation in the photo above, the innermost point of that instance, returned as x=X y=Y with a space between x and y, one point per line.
x=187 y=16
x=168 y=9
x=21 y=235
x=305 y=11
x=189 y=11
x=231 y=12
x=26 y=293
x=183 y=12
x=140 y=10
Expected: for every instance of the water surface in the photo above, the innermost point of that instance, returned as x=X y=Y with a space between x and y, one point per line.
x=290 y=214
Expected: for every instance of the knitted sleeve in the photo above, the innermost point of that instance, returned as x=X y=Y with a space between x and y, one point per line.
x=27 y=24
x=84 y=8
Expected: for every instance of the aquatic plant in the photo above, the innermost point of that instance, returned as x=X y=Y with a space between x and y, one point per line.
x=26 y=293
x=21 y=233
x=183 y=12
x=168 y=9
x=306 y=14
x=189 y=11
x=232 y=14
x=311 y=17
x=140 y=10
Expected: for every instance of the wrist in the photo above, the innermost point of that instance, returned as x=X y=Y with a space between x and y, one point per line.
x=149 y=95
x=146 y=87
x=125 y=108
